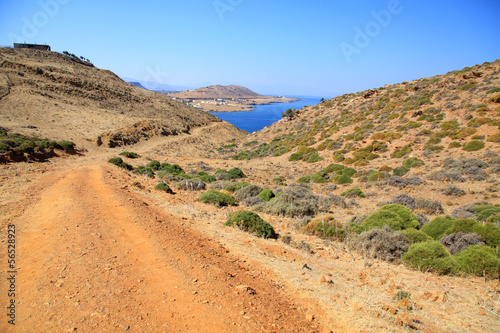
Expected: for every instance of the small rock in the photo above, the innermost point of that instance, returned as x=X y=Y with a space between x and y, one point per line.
x=244 y=288
x=310 y=317
x=325 y=280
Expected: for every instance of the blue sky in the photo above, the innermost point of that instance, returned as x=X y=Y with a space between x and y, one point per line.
x=318 y=47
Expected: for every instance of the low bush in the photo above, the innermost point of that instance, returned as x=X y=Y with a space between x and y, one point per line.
x=422 y=219
x=266 y=194
x=430 y=256
x=233 y=187
x=354 y=192
x=191 y=185
x=400 y=171
x=397 y=217
x=154 y=164
x=460 y=241
x=288 y=205
x=216 y=198
x=380 y=243
x=312 y=158
x=404 y=199
x=431 y=207
x=438 y=227
x=484 y=212
x=478 y=260
x=453 y=191
x=142 y=170
x=416 y=236
x=163 y=187
x=129 y=154
x=375 y=176
x=173 y=169
x=473 y=145
x=251 y=222
x=119 y=162
x=412 y=162
x=343 y=179
x=247 y=192
x=327 y=227
x=443 y=175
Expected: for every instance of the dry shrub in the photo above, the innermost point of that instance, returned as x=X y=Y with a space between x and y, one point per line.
x=453 y=191
x=382 y=244
x=325 y=227
x=460 y=241
x=404 y=199
x=461 y=213
x=191 y=185
x=422 y=219
x=443 y=175
x=431 y=207
x=247 y=192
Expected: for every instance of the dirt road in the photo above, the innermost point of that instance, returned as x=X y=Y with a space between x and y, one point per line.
x=92 y=257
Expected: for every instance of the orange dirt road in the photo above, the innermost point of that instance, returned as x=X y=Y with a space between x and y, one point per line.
x=92 y=257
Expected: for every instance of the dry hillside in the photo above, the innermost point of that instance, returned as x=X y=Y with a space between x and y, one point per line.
x=375 y=211
x=218 y=91
x=59 y=96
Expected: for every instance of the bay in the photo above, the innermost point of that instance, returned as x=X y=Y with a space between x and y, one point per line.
x=263 y=115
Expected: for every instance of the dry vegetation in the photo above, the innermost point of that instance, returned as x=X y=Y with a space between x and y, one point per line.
x=381 y=206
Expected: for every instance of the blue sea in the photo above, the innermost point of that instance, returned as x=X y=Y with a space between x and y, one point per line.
x=263 y=115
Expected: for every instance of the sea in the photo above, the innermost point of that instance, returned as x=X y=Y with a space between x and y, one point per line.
x=264 y=115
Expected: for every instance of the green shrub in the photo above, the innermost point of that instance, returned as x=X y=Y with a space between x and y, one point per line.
x=207 y=178
x=319 y=178
x=477 y=258
x=235 y=173
x=155 y=165
x=375 y=176
x=409 y=220
x=216 y=198
x=489 y=233
x=66 y=145
x=467 y=226
x=173 y=169
x=304 y=180
x=119 y=162
x=348 y=172
x=27 y=146
x=416 y=236
x=430 y=256
x=116 y=161
x=438 y=227
x=233 y=187
x=129 y=154
x=485 y=211
x=266 y=195
x=251 y=222
x=382 y=218
x=326 y=227
x=356 y=192
x=312 y=158
x=400 y=152
x=163 y=187
x=473 y=145
x=295 y=157
x=400 y=171
x=333 y=168
x=343 y=179
x=142 y=170
x=413 y=162
x=287 y=205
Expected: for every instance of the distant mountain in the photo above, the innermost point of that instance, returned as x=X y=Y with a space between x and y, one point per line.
x=218 y=91
x=155 y=86
x=137 y=84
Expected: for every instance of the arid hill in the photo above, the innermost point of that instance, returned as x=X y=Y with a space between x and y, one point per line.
x=219 y=98
x=58 y=96
x=218 y=91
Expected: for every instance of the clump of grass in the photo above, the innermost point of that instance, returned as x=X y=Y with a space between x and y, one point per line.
x=354 y=192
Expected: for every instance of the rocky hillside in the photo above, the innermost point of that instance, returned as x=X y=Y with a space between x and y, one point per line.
x=54 y=95
x=457 y=114
x=218 y=91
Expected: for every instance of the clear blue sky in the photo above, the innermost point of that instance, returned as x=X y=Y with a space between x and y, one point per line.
x=271 y=46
